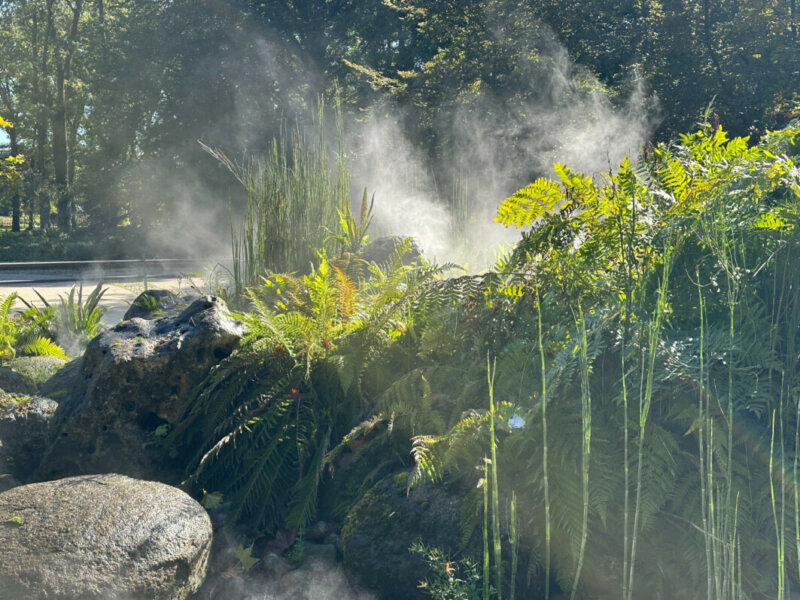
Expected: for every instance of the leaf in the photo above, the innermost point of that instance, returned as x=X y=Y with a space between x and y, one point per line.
x=530 y=203
x=245 y=556
x=771 y=220
x=211 y=500
x=15 y=521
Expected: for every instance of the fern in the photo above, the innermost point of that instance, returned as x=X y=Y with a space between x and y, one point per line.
x=25 y=333
x=261 y=427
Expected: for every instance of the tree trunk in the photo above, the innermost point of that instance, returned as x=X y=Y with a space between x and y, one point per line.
x=43 y=199
x=64 y=207
x=60 y=149
x=31 y=195
x=40 y=175
x=15 y=198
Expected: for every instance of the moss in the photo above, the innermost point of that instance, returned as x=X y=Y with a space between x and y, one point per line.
x=9 y=399
x=373 y=505
x=381 y=527
x=38 y=369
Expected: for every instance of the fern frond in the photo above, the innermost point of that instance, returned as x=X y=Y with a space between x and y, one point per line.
x=42 y=346
x=530 y=203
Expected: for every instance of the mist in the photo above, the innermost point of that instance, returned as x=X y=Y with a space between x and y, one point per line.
x=445 y=198
x=447 y=202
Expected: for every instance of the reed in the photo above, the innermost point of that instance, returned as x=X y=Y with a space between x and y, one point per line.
x=294 y=198
x=513 y=538
x=545 y=476
x=486 y=565
x=586 y=431
x=491 y=371
x=702 y=418
x=645 y=399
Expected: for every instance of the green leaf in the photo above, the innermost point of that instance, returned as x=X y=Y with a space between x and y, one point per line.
x=245 y=556
x=15 y=521
x=532 y=202
x=211 y=500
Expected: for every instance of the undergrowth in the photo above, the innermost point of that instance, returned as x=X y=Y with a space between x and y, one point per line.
x=644 y=406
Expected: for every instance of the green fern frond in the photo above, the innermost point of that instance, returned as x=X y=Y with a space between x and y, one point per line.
x=530 y=203
x=41 y=346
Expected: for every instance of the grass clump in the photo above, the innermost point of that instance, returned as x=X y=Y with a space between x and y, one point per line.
x=294 y=200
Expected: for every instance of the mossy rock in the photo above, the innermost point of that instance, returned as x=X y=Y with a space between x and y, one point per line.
x=155 y=304
x=38 y=369
x=24 y=432
x=380 y=528
x=14 y=382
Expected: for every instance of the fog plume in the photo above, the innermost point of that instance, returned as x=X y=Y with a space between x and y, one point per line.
x=448 y=202
x=445 y=199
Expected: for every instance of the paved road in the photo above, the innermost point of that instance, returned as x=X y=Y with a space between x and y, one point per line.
x=116 y=300
x=123 y=280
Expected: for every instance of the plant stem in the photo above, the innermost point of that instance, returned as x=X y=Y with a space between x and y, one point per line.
x=486 y=528
x=654 y=331
x=514 y=538
x=701 y=418
x=774 y=507
x=544 y=454
x=794 y=481
x=498 y=563
x=586 y=428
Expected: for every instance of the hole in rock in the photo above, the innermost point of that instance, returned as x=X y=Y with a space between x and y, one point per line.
x=221 y=353
x=151 y=421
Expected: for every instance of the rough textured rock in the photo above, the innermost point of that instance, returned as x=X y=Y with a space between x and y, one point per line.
x=24 y=431
x=153 y=304
x=381 y=527
x=37 y=369
x=103 y=537
x=14 y=382
x=132 y=379
x=381 y=250
x=60 y=384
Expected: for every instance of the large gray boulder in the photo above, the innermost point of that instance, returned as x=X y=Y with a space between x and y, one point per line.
x=382 y=250
x=103 y=537
x=133 y=380
x=24 y=432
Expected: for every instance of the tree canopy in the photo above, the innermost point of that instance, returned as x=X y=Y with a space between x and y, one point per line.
x=109 y=97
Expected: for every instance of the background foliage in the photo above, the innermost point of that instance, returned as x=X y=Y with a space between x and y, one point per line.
x=109 y=97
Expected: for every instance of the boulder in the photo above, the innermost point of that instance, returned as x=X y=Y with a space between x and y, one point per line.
x=37 y=369
x=380 y=528
x=14 y=382
x=133 y=380
x=153 y=304
x=104 y=537
x=381 y=250
x=60 y=383
x=24 y=432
